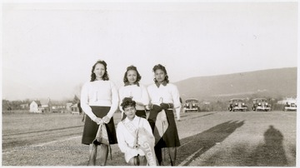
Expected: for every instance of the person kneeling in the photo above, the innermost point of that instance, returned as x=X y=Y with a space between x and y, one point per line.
x=135 y=138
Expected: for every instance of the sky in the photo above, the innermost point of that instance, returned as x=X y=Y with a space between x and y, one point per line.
x=48 y=49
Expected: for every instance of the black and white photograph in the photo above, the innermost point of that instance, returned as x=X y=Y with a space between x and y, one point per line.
x=149 y=83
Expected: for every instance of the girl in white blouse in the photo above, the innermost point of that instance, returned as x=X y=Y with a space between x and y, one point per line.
x=132 y=88
x=135 y=138
x=99 y=101
x=164 y=97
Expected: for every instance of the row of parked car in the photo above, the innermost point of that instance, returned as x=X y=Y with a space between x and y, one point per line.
x=238 y=104
x=259 y=104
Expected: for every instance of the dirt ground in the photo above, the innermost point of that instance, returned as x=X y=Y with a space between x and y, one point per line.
x=207 y=139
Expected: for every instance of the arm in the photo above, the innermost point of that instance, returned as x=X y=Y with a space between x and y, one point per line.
x=176 y=97
x=84 y=102
x=144 y=99
x=121 y=97
x=145 y=96
x=121 y=138
x=146 y=134
x=114 y=101
x=149 y=105
x=147 y=126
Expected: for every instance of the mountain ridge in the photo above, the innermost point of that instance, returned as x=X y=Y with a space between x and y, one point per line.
x=275 y=83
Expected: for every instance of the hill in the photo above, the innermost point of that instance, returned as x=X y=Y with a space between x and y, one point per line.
x=272 y=83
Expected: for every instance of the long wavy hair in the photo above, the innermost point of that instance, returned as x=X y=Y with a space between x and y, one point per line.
x=105 y=75
x=139 y=77
x=161 y=67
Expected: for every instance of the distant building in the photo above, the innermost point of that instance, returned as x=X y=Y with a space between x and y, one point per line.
x=35 y=107
x=46 y=105
x=76 y=108
x=58 y=108
x=24 y=106
x=68 y=107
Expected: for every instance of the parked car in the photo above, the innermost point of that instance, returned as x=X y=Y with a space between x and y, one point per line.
x=191 y=105
x=237 y=104
x=261 y=104
x=290 y=105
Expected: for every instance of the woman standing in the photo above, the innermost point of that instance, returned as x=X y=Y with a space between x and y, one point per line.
x=132 y=88
x=99 y=100
x=164 y=98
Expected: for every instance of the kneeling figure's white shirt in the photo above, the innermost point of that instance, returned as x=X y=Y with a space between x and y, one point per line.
x=126 y=140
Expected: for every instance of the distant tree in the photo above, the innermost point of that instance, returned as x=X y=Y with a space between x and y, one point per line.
x=75 y=100
x=6 y=105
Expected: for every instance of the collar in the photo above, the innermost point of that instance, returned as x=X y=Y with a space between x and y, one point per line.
x=164 y=83
x=128 y=84
x=135 y=119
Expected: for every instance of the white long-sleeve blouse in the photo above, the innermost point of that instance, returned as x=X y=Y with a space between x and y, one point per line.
x=138 y=93
x=126 y=140
x=164 y=94
x=99 y=93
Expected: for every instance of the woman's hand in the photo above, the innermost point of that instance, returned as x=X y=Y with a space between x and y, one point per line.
x=157 y=108
x=164 y=106
x=149 y=106
x=106 y=119
x=98 y=121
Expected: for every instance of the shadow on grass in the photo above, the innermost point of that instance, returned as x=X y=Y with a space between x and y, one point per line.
x=204 y=141
x=270 y=153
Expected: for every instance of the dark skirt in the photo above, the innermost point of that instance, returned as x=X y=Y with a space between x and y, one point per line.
x=140 y=113
x=170 y=137
x=90 y=127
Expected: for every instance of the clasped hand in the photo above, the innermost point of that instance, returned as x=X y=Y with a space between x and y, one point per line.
x=103 y=120
x=164 y=106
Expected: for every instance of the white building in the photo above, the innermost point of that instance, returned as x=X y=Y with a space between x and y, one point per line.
x=35 y=107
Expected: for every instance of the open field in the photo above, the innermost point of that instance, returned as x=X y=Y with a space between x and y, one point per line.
x=207 y=139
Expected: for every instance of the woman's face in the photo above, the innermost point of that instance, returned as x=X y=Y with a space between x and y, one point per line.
x=160 y=75
x=130 y=112
x=99 y=71
x=131 y=76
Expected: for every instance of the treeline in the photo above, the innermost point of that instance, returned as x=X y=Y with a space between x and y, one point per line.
x=15 y=105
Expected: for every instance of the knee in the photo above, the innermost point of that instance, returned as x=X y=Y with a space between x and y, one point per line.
x=142 y=160
x=133 y=161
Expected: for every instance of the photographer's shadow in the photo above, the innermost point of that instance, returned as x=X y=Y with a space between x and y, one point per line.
x=271 y=153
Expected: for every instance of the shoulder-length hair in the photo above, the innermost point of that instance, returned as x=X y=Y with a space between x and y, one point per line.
x=105 y=75
x=161 y=67
x=139 y=77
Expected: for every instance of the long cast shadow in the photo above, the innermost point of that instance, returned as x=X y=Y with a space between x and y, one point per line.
x=271 y=153
x=190 y=145
x=205 y=141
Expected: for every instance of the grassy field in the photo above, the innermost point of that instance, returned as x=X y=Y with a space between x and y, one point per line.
x=207 y=139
